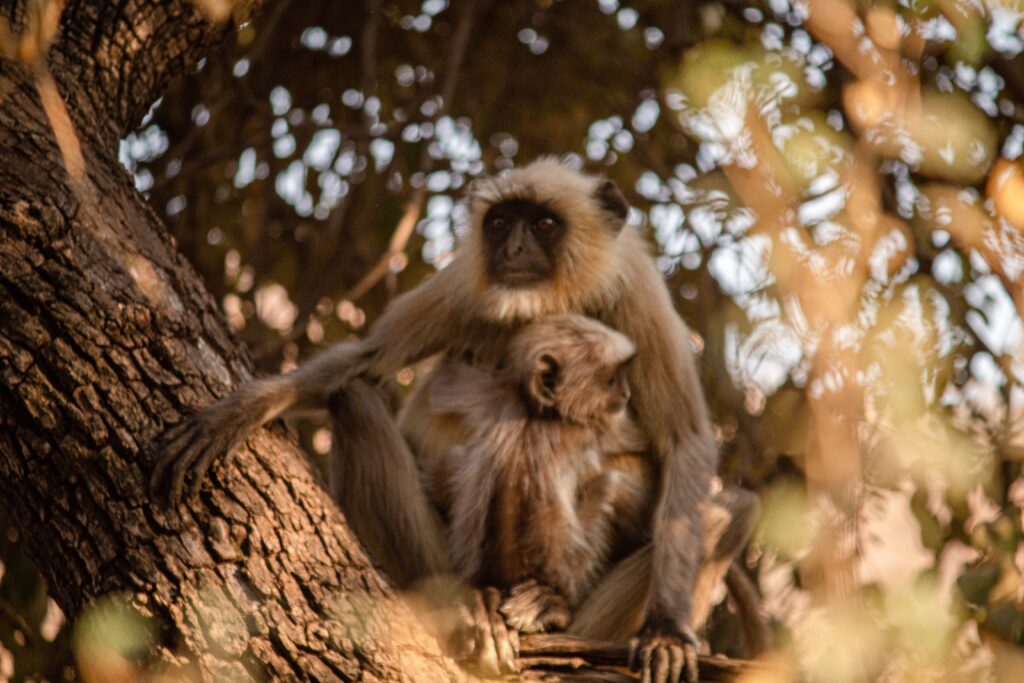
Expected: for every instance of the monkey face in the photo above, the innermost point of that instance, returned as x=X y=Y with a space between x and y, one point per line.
x=523 y=239
x=584 y=393
x=543 y=239
x=572 y=366
x=617 y=390
x=596 y=395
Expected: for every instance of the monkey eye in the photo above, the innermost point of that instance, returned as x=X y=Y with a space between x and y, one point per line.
x=497 y=223
x=546 y=224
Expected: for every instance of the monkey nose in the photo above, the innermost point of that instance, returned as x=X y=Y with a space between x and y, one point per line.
x=514 y=243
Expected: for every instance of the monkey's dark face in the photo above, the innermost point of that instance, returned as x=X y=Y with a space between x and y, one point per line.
x=523 y=239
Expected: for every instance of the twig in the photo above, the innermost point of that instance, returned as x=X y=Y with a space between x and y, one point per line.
x=574 y=658
x=458 y=53
x=414 y=207
x=396 y=246
x=368 y=52
x=224 y=98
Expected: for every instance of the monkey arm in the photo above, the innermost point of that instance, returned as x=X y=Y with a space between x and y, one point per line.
x=416 y=325
x=669 y=403
x=633 y=500
x=473 y=486
x=421 y=322
x=493 y=637
x=472 y=393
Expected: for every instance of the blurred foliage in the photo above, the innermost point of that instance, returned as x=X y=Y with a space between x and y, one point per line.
x=34 y=642
x=836 y=190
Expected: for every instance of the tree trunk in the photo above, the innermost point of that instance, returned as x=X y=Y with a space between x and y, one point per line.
x=107 y=337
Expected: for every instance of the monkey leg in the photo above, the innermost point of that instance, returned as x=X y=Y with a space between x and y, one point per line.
x=729 y=519
x=486 y=645
x=374 y=478
x=617 y=606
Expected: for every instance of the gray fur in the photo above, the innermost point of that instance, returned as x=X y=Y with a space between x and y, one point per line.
x=607 y=273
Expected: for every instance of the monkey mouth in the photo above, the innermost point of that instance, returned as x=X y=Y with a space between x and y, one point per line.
x=516 y=278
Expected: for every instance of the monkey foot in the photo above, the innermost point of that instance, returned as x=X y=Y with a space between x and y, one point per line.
x=664 y=658
x=493 y=647
x=192 y=446
x=533 y=607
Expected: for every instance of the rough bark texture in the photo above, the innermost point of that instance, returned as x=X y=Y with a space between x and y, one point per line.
x=106 y=337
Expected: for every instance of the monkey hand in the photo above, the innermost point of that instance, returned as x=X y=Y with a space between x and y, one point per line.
x=533 y=607
x=193 y=445
x=664 y=655
x=486 y=646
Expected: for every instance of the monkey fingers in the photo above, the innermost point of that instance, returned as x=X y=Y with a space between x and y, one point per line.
x=523 y=607
x=215 y=447
x=174 y=448
x=496 y=648
x=182 y=467
x=506 y=641
x=461 y=643
x=191 y=446
x=664 y=659
x=486 y=654
x=208 y=445
x=690 y=662
x=557 y=616
x=533 y=607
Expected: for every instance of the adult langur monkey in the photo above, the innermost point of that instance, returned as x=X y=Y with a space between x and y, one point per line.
x=543 y=239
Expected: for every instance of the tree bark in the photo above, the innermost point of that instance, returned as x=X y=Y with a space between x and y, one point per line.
x=107 y=337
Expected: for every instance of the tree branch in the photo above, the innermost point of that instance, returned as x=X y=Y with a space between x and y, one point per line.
x=107 y=336
x=570 y=658
x=130 y=51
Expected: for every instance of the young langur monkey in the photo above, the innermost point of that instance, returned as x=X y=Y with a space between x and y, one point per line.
x=551 y=482
x=533 y=493
x=543 y=239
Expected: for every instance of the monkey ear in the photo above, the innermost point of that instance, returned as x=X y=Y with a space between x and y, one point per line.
x=546 y=377
x=611 y=199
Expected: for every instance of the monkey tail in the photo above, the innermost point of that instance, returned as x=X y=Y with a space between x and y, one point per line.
x=756 y=632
